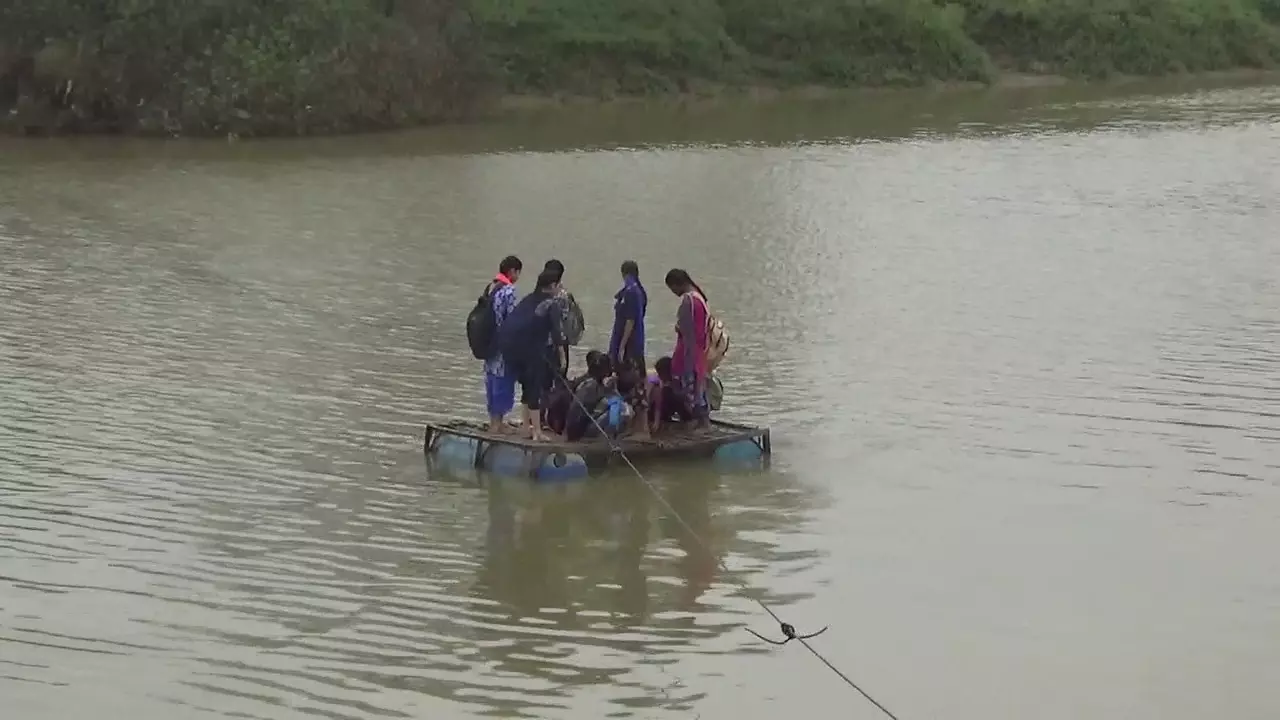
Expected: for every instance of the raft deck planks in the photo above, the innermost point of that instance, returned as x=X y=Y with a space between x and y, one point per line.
x=681 y=441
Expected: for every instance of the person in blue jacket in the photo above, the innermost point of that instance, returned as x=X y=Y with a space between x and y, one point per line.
x=523 y=338
x=626 y=344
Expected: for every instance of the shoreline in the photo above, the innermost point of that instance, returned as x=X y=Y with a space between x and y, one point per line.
x=514 y=103
x=501 y=106
x=318 y=68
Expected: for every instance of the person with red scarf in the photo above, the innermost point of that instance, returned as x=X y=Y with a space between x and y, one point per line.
x=499 y=385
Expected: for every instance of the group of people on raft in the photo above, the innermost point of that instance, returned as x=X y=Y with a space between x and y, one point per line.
x=527 y=343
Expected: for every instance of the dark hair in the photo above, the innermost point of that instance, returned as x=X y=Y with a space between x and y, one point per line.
x=546 y=279
x=663 y=367
x=677 y=278
x=509 y=263
x=631 y=268
x=599 y=366
x=626 y=383
x=630 y=375
x=556 y=267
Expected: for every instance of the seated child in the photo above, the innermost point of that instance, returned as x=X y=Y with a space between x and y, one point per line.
x=588 y=394
x=634 y=389
x=560 y=405
x=666 y=402
x=614 y=414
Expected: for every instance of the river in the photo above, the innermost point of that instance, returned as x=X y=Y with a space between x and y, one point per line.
x=1020 y=352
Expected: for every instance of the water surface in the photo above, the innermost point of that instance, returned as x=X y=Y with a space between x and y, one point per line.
x=1020 y=354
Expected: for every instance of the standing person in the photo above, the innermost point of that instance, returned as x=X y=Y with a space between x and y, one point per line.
x=499 y=386
x=689 y=359
x=571 y=324
x=626 y=344
x=528 y=331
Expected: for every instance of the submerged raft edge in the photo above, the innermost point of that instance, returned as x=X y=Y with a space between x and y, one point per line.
x=469 y=445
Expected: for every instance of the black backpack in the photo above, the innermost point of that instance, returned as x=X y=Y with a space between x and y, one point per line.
x=481 y=327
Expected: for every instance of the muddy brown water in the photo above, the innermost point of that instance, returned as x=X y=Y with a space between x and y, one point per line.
x=1020 y=352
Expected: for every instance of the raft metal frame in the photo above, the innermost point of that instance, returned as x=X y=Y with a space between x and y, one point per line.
x=598 y=453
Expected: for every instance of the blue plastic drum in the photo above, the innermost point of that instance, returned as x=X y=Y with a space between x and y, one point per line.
x=459 y=454
x=562 y=466
x=455 y=453
x=743 y=453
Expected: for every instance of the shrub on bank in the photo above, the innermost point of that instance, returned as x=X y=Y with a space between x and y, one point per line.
x=1096 y=38
x=210 y=66
x=245 y=66
x=605 y=46
x=644 y=45
x=635 y=46
x=855 y=42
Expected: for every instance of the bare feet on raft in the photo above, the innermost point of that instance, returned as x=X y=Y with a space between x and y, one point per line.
x=503 y=428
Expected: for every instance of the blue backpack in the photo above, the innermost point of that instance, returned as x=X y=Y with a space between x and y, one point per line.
x=616 y=415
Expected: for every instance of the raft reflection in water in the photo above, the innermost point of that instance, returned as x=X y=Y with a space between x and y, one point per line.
x=598 y=590
x=585 y=546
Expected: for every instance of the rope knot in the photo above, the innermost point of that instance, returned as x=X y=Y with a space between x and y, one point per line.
x=788 y=634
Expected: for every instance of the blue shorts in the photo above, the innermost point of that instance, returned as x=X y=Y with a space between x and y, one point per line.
x=499 y=393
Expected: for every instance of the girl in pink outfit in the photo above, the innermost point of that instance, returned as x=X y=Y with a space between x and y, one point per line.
x=689 y=359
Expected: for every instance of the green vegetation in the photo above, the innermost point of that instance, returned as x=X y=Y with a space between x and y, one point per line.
x=233 y=66
x=661 y=45
x=1140 y=37
x=250 y=66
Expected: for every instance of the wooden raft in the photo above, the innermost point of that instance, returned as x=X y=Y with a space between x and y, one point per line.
x=674 y=441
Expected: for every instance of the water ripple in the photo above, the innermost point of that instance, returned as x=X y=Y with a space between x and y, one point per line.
x=217 y=369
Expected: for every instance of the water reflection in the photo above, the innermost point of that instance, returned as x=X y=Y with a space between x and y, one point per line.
x=545 y=542
x=598 y=580
x=217 y=361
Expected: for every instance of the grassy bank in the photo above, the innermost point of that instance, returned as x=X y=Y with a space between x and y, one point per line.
x=246 y=67
x=234 y=66
x=640 y=46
